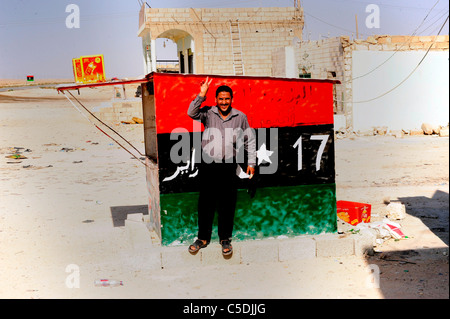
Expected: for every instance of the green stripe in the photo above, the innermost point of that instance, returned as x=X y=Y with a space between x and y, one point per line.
x=274 y=211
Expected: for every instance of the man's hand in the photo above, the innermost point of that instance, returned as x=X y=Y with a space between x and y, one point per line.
x=250 y=171
x=204 y=86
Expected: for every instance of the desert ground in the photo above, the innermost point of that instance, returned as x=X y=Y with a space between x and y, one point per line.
x=56 y=215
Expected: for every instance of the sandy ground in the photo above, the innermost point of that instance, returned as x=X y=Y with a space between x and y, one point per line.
x=56 y=215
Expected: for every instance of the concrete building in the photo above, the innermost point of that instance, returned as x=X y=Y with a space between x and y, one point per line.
x=226 y=41
x=380 y=84
x=387 y=81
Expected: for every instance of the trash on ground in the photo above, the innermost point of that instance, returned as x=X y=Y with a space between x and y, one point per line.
x=353 y=212
x=16 y=156
x=107 y=283
x=383 y=230
x=396 y=211
x=134 y=120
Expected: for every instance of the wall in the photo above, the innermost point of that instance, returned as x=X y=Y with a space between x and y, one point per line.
x=323 y=59
x=262 y=30
x=422 y=98
x=283 y=63
x=398 y=109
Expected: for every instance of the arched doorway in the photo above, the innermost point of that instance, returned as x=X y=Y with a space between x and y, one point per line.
x=185 y=49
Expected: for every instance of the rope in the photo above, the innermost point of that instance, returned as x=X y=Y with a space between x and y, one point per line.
x=92 y=114
x=84 y=115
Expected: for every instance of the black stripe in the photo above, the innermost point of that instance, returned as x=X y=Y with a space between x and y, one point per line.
x=284 y=170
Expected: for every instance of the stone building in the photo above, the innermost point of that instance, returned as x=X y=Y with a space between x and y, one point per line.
x=379 y=83
x=397 y=82
x=225 y=41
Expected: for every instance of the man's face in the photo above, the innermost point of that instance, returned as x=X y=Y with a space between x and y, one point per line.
x=223 y=101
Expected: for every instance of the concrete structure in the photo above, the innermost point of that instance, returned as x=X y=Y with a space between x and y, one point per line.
x=149 y=255
x=226 y=41
x=379 y=87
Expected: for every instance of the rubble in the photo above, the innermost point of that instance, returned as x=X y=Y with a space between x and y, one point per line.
x=443 y=132
x=396 y=211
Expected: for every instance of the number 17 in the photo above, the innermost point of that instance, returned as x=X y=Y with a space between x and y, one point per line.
x=323 y=138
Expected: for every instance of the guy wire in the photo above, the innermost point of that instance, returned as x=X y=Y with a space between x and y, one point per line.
x=93 y=115
x=140 y=161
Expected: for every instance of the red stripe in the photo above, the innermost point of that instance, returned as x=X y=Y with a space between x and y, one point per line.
x=267 y=102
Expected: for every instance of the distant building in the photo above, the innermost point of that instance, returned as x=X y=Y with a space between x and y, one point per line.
x=227 y=41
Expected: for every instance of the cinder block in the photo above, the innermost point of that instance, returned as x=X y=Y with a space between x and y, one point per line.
x=179 y=256
x=212 y=255
x=296 y=249
x=334 y=245
x=265 y=250
x=363 y=243
x=142 y=254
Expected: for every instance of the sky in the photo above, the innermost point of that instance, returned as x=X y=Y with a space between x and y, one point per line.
x=35 y=40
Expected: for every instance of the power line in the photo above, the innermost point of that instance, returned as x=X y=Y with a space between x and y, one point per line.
x=414 y=70
x=395 y=52
x=434 y=22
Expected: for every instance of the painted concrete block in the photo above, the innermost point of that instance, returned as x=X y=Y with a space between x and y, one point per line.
x=363 y=243
x=296 y=249
x=212 y=255
x=179 y=256
x=141 y=254
x=259 y=251
x=333 y=245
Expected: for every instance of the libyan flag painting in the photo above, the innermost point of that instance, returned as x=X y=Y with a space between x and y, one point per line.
x=293 y=191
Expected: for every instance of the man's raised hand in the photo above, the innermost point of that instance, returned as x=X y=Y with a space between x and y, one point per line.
x=204 y=86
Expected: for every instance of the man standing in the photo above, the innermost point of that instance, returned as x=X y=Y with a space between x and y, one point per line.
x=225 y=130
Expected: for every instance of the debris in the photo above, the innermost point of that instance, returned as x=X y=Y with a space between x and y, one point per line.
x=396 y=211
x=353 y=212
x=443 y=132
x=396 y=133
x=16 y=156
x=415 y=132
x=66 y=149
x=128 y=122
x=77 y=162
x=107 y=283
x=385 y=229
x=138 y=120
x=427 y=128
x=394 y=229
x=88 y=221
x=380 y=130
x=134 y=120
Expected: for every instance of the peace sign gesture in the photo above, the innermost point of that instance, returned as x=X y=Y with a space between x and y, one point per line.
x=204 y=86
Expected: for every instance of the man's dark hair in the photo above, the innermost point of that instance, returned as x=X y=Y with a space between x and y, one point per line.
x=224 y=88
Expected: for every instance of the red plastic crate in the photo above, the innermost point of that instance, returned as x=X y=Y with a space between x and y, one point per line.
x=353 y=212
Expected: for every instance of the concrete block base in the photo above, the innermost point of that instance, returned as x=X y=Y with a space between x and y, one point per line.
x=334 y=245
x=295 y=249
x=145 y=254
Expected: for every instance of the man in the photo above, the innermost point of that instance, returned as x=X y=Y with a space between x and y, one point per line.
x=225 y=130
